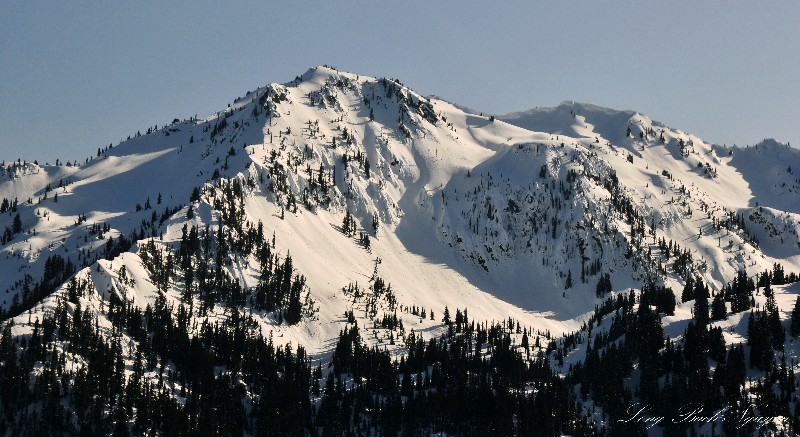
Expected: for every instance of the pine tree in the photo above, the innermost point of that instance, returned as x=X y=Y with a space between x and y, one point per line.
x=16 y=227
x=294 y=307
x=778 y=277
x=446 y=319
x=795 y=327
x=195 y=197
x=700 y=303
x=740 y=292
x=716 y=345
x=758 y=337
x=348 y=224
x=603 y=285
x=375 y=222
x=568 y=284
x=718 y=309
x=776 y=331
x=688 y=289
x=321 y=177
x=648 y=339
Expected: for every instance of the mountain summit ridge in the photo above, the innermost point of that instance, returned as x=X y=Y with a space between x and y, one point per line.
x=188 y=154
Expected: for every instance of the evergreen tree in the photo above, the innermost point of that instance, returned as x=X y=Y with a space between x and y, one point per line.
x=700 y=303
x=718 y=309
x=740 y=292
x=348 y=224
x=716 y=345
x=195 y=197
x=16 y=226
x=776 y=331
x=795 y=327
x=647 y=338
x=688 y=289
x=758 y=338
x=603 y=285
x=778 y=276
x=446 y=318
x=295 y=306
x=375 y=222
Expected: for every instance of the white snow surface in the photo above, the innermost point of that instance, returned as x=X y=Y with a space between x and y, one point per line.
x=443 y=192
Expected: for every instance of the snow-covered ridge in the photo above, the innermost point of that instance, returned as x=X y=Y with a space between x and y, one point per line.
x=419 y=151
x=361 y=181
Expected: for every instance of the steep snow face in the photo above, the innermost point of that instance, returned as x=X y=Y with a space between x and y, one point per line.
x=577 y=120
x=688 y=191
x=770 y=169
x=515 y=216
x=543 y=221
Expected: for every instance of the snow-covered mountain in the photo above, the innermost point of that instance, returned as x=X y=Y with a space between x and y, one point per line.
x=337 y=199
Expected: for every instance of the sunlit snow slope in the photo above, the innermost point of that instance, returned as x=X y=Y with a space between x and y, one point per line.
x=517 y=216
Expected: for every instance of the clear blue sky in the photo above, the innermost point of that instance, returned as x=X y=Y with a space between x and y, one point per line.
x=75 y=76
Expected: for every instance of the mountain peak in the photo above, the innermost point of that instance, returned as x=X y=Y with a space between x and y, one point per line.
x=323 y=72
x=771 y=142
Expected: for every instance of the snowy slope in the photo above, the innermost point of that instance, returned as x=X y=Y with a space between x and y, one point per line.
x=437 y=173
x=517 y=216
x=122 y=187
